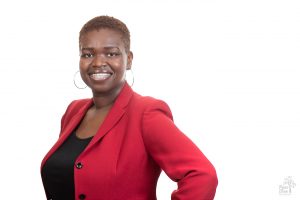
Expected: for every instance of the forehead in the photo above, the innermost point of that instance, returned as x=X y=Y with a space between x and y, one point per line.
x=101 y=38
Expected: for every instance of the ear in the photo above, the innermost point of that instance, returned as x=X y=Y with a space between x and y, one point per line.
x=129 y=60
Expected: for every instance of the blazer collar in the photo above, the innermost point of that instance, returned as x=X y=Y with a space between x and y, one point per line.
x=114 y=115
x=111 y=119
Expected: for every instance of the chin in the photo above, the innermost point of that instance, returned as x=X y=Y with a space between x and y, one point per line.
x=107 y=88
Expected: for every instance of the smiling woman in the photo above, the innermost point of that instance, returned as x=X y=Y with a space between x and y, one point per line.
x=114 y=145
x=104 y=61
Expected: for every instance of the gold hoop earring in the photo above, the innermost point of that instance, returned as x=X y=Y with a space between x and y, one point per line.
x=130 y=75
x=76 y=84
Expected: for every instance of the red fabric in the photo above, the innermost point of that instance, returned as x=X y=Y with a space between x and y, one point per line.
x=137 y=139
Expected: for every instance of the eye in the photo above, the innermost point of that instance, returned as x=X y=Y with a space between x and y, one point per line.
x=86 y=55
x=112 y=54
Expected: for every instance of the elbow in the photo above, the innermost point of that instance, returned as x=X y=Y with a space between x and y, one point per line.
x=209 y=173
x=212 y=178
x=211 y=182
x=208 y=179
x=202 y=182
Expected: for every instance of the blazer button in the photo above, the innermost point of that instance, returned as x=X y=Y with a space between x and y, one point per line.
x=79 y=165
x=82 y=196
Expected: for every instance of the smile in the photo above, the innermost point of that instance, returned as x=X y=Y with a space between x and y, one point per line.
x=100 y=76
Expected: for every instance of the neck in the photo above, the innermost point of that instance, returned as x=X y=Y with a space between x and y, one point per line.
x=102 y=100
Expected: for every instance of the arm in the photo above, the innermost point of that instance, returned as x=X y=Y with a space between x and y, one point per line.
x=177 y=155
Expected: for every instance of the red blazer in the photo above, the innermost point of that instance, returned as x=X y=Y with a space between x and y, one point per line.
x=136 y=140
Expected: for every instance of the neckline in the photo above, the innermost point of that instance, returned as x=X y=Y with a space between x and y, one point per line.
x=82 y=139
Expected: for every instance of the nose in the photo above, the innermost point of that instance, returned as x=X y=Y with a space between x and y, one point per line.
x=99 y=60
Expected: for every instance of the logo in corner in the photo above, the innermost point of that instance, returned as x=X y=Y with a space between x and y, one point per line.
x=286 y=187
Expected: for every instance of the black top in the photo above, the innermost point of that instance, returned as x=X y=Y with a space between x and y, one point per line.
x=58 y=171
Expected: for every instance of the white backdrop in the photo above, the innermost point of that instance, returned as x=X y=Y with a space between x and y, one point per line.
x=228 y=69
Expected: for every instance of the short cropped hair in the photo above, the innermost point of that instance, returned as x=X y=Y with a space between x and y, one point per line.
x=102 y=22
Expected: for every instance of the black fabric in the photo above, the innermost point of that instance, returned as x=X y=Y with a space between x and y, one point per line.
x=58 y=171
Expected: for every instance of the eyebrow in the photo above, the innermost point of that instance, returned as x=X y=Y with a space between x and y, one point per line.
x=106 y=48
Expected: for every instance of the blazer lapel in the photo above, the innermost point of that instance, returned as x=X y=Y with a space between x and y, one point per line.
x=114 y=115
x=72 y=124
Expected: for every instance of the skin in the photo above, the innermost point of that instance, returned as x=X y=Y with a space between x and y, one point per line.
x=102 y=50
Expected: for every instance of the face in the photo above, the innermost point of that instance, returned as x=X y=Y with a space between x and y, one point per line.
x=103 y=61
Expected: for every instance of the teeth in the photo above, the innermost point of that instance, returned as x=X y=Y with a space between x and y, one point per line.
x=100 y=76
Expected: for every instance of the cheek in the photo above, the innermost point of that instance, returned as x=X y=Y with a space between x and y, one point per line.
x=122 y=63
x=83 y=64
x=121 y=68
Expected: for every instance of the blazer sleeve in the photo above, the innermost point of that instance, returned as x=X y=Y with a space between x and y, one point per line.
x=177 y=155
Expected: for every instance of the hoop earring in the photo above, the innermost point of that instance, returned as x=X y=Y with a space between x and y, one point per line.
x=74 y=81
x=132 y=76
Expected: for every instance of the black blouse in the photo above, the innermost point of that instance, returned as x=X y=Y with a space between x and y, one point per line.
x=58 y=171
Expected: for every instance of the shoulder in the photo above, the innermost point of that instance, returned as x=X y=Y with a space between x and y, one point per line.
x=76 y=106
x=78 y=103
x=148 y=104
x=73 y=108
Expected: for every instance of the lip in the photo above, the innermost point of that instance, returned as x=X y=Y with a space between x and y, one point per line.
x=100 y=71
x=100 y=76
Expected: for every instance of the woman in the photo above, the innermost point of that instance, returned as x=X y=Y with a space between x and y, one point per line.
x=114 y=145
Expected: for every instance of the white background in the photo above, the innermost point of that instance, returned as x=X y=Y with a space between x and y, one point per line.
x=228 y=69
